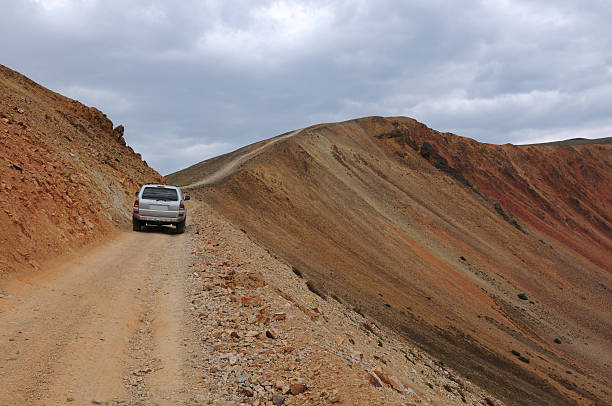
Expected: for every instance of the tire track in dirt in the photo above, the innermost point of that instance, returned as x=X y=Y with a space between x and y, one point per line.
x=66 y=332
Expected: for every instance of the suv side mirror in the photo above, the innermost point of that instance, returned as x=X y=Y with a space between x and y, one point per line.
x=187 y=198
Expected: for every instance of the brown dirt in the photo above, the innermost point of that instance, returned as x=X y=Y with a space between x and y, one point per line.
x=66 y=177
x=68 y=329
x=159 y=318
x=435 y=235
x=206 y=317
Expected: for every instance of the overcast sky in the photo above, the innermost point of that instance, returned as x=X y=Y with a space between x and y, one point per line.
x=193 y=79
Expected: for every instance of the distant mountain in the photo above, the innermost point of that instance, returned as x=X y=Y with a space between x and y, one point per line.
x=577 y=141
x=66 y=175
x=496 y=259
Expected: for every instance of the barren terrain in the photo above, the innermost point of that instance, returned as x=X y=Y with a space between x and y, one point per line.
x=206 y=317
x=495 y=259
x=67 y=177
x=374 y=261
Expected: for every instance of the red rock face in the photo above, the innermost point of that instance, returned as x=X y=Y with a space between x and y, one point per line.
x=475 y=252
x=65 y=177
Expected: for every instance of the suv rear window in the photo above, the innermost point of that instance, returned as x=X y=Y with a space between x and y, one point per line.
x=159 y=193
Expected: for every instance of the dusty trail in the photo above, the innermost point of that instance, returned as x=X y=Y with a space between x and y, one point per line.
x=72 y=333
x=235 y=163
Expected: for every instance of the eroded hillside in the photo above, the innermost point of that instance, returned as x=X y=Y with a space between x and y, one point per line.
x=495 y=259
x=66 y=175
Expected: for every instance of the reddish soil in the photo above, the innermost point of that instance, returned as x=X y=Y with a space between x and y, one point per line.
x=475 y=252
x=154 y=317
x=66 y=177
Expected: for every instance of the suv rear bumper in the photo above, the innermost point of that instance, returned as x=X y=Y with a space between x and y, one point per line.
x=160 y=220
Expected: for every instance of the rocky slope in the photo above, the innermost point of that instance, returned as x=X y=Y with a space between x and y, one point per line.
x=494 y=259
x=272 y=341
x=66 y=176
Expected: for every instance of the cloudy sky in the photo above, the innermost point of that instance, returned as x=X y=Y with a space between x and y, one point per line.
x=193 y=79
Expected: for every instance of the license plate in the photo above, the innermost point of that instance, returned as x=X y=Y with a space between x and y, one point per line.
x=158 y=207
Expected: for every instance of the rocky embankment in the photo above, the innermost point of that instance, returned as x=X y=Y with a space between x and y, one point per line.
x=263 y=336
x=66 y=175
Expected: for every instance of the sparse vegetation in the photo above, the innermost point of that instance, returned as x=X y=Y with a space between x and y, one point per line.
x=429 y=384
x=523 y=359
x=515 y=352
x=522 y=296
x=448 y=388
x=557 y=341
x=380 y=344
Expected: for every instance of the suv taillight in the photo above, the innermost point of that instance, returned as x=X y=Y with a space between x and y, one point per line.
x=181 y=207
x=136 y=205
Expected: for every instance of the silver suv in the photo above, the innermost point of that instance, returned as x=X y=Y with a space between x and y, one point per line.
x=160 y=204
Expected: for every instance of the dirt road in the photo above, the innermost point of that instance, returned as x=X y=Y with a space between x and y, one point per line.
x=97 y=327
x=206 y=317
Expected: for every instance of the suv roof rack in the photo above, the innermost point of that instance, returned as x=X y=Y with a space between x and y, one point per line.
x=164 y=184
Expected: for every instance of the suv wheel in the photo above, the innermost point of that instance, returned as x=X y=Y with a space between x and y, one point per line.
x=180 y=227
x=136 y=225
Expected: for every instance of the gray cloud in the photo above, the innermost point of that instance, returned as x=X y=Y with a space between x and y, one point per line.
x=193 y=79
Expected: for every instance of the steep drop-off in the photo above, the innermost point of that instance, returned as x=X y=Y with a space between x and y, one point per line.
x=495 y=259
x=66 y=176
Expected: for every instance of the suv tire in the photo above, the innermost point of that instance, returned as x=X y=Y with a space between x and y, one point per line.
x=180 y=227
x=136 y=225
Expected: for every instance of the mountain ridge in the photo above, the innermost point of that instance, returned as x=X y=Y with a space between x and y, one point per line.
x=452 y=233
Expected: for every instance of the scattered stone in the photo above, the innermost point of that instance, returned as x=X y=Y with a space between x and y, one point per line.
x=278 y=400
x=241 y=378
x=297 y=388
x=397 y=384
x=252 y=333
x=382 y=376
x=272 y=333
x=251 y=300
x=374 y=380
x=248 y=392
x=278 y=316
